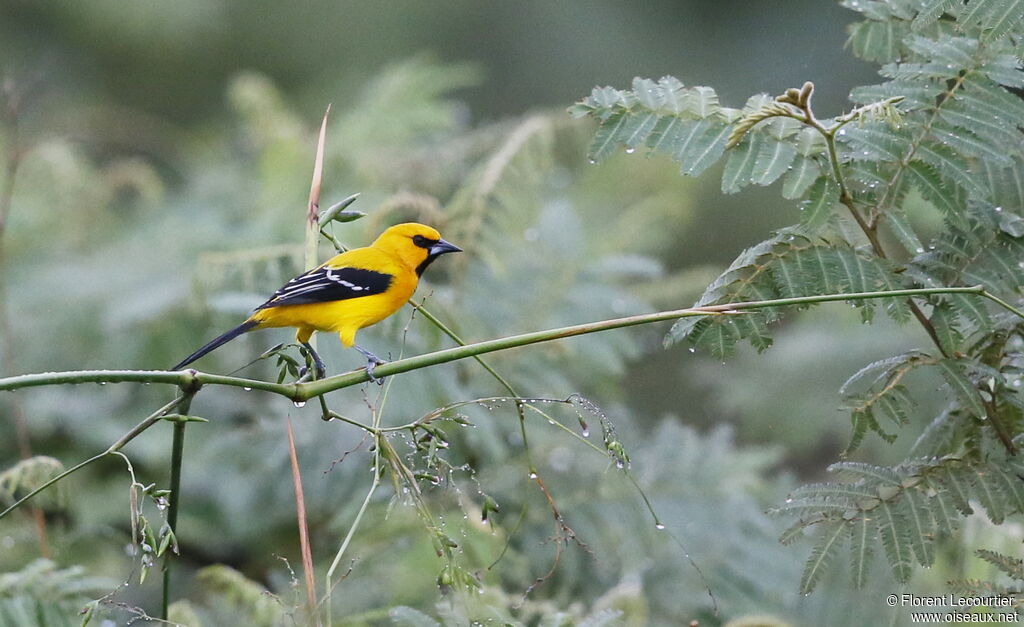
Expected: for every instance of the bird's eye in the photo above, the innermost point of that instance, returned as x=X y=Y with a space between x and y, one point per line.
x=421 y=241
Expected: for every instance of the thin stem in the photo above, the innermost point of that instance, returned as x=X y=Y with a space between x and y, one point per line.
x=458 y=340
x=328 y=585
x=1002 y=303
x=177 y=451
x=868 y=227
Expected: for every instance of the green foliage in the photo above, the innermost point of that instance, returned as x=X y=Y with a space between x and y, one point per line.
x=43 y=595
x=943 y=128
x=906 y=508
x=29 y=474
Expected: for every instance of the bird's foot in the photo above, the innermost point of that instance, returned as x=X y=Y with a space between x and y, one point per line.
x=372 y=362
x=319 y=367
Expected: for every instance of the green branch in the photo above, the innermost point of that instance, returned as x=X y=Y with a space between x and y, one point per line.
x=304 y=391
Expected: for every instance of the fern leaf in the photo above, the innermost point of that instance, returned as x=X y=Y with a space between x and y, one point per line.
x=965 y=392
x=817 y=209
x=972 y=310
x=672 y=94
x=1011 y=486
x=701 y=101
x=879 y=41
x=904 y=232
x=848 y=494
x=943 y=511
x=793 y=532
x=800 y=177
x=823 y=552
x=931 y=12
x=862 y=544
x=1012 y=566
x=968 y=143
x=943 y=320
x=609 y=135
x=928 y=182
x=1005 y=69
x=875 y=141
x=892 y=529
x=997 y=17
x=916 y=95
x=959 y=488
x=882 y=474
x=921 y=530
x=990 y=498
x=758 y=159
x=718 y=339
x=698 y=145
x=952 y=167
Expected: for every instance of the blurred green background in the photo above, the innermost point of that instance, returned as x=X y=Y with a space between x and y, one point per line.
x=166 y=150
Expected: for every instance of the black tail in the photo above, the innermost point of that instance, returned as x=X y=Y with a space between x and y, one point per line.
x=248 y=325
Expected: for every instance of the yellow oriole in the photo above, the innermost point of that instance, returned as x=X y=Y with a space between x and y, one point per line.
x=350 y=291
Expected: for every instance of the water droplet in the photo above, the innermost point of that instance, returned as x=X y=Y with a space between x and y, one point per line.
x=300 y=403
x=659 y=526
x=591 y=161
x=533 y=475
x=919 y=250
x=630 y=151
x=620 y=464
x=999 y=209
x=247 y=389
x=550 y=421
x=586 y=432
x=692 y=349
x=103 y=382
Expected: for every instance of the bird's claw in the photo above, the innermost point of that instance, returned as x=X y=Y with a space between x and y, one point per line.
x=371 y=364
x=319 y=367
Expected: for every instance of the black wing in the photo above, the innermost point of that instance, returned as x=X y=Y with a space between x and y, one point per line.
x=324 y=284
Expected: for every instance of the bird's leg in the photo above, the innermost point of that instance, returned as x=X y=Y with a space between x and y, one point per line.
x=318 y=364
x=373 y=362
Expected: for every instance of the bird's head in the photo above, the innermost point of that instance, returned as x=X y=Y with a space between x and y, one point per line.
x=416 y=244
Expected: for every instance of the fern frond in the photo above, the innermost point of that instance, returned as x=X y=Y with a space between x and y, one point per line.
x=965 y=392
x=822 y=554
x=878 y=41
x=882 y=474
x=1012 y=566
x=995 y=17
x=687 y=123
x=862 y=543
x=29 y=474
x=893 y=530
x=921 y=526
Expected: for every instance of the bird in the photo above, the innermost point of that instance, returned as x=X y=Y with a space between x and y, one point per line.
x=352 y=290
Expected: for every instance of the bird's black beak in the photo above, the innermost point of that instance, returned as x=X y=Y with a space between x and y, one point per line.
x=442 y=247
